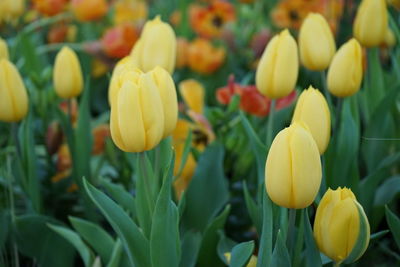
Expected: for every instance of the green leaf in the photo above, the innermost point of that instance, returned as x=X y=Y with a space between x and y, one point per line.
x=280 y=256
x=265 y=250
x=30 y=162
x=164 y=239
x=363 y=237
x=253 y=209
x=225 y=245
x=394 y=225
x=35 y=239
x=375 y=88
x=312 y=255
x=121 y=196
x=135 y=244
x=83 y=138
x=116 y=254
x=76 y=241
x=186 y=151
x=241 y=254
x=208 y=250
x=209 y=180
x=387 y=191
x=379 y=234
x=257 y=147
x=191 y=242
x=95 y=236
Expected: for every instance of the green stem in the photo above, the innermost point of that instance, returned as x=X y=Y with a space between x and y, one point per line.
x=45 y=21
x=12 y=208
x=339 y=107
x=291 y=228
x=142 y=160
x=270 y=125
x=336 y=264
x=56 y=47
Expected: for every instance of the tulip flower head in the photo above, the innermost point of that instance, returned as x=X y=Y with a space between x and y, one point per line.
x=278 y=69
x=156 y=46
x=341 y=228
x=371 y=22
x=67 y=75
x=293 y=168
x=137 y=116
x=13 y=96
x=313 y=110
x=316 y=42
x=345 y=71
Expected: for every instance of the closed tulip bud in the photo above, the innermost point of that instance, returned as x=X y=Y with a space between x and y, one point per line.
x=3 y=49
x=67 y=75
x=13 y=96
x=137 y=116
x=312 y=109
x=371 y=22
x=166 y=88
x=345 y=72
x=316 y=42
x=156 y=47
x=341 y=228
x=293 y=169
x=278 y=68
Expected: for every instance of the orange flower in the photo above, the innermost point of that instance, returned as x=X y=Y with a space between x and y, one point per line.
x=49 y=7
x=57 y=33
x=181 y=52
x=130 y=11
x=87 y=10
x=99 y=68
x=118 y=41
x=64 y=106
x=100 y=134
x=251 y=100
x=291 y=13
x=203 y=57
x=210 y=21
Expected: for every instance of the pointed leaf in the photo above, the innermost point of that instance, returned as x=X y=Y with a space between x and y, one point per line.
x=241 y=254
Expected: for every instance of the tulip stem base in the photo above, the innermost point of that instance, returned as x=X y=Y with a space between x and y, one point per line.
x=325 y=90
x=291 y=231
x=270 y=125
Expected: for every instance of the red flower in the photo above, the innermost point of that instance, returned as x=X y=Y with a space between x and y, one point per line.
x=118 y=41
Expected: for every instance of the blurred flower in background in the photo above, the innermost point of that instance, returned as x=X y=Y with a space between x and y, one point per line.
x=49 y=7
x=88 y=10
x=118 y=41
x=203 y=57
x=210 y=21
x=130 y=11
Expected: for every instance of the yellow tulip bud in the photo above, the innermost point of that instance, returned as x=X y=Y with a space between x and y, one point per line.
x=316 y=42
x=67 y=75
x=312 y=109
x=345 y=72
x=293 y=168
x=13 y=96
x=390 y=39
x=123 y=65
x=137 y=116
x=371 y=22
x=156 y=46
x=192 y=93
x=340 y=223
x=278 y=68
x=166 y=88
x=3 y=49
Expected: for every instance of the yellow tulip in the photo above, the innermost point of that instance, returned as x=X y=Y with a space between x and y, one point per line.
x=293 y=168
x=345 y=72
x=123 y=65
x=192 y=93
x=278 y=68
x=137 y=116
x=3 y=49
x=252 y=262
x=313 y=110
x=371 y=22
x=11 y=9
x=67 y=75
x=13 y=96
x=316 y=42
x=166 y=88
x=156 y=46
x=337 y=225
